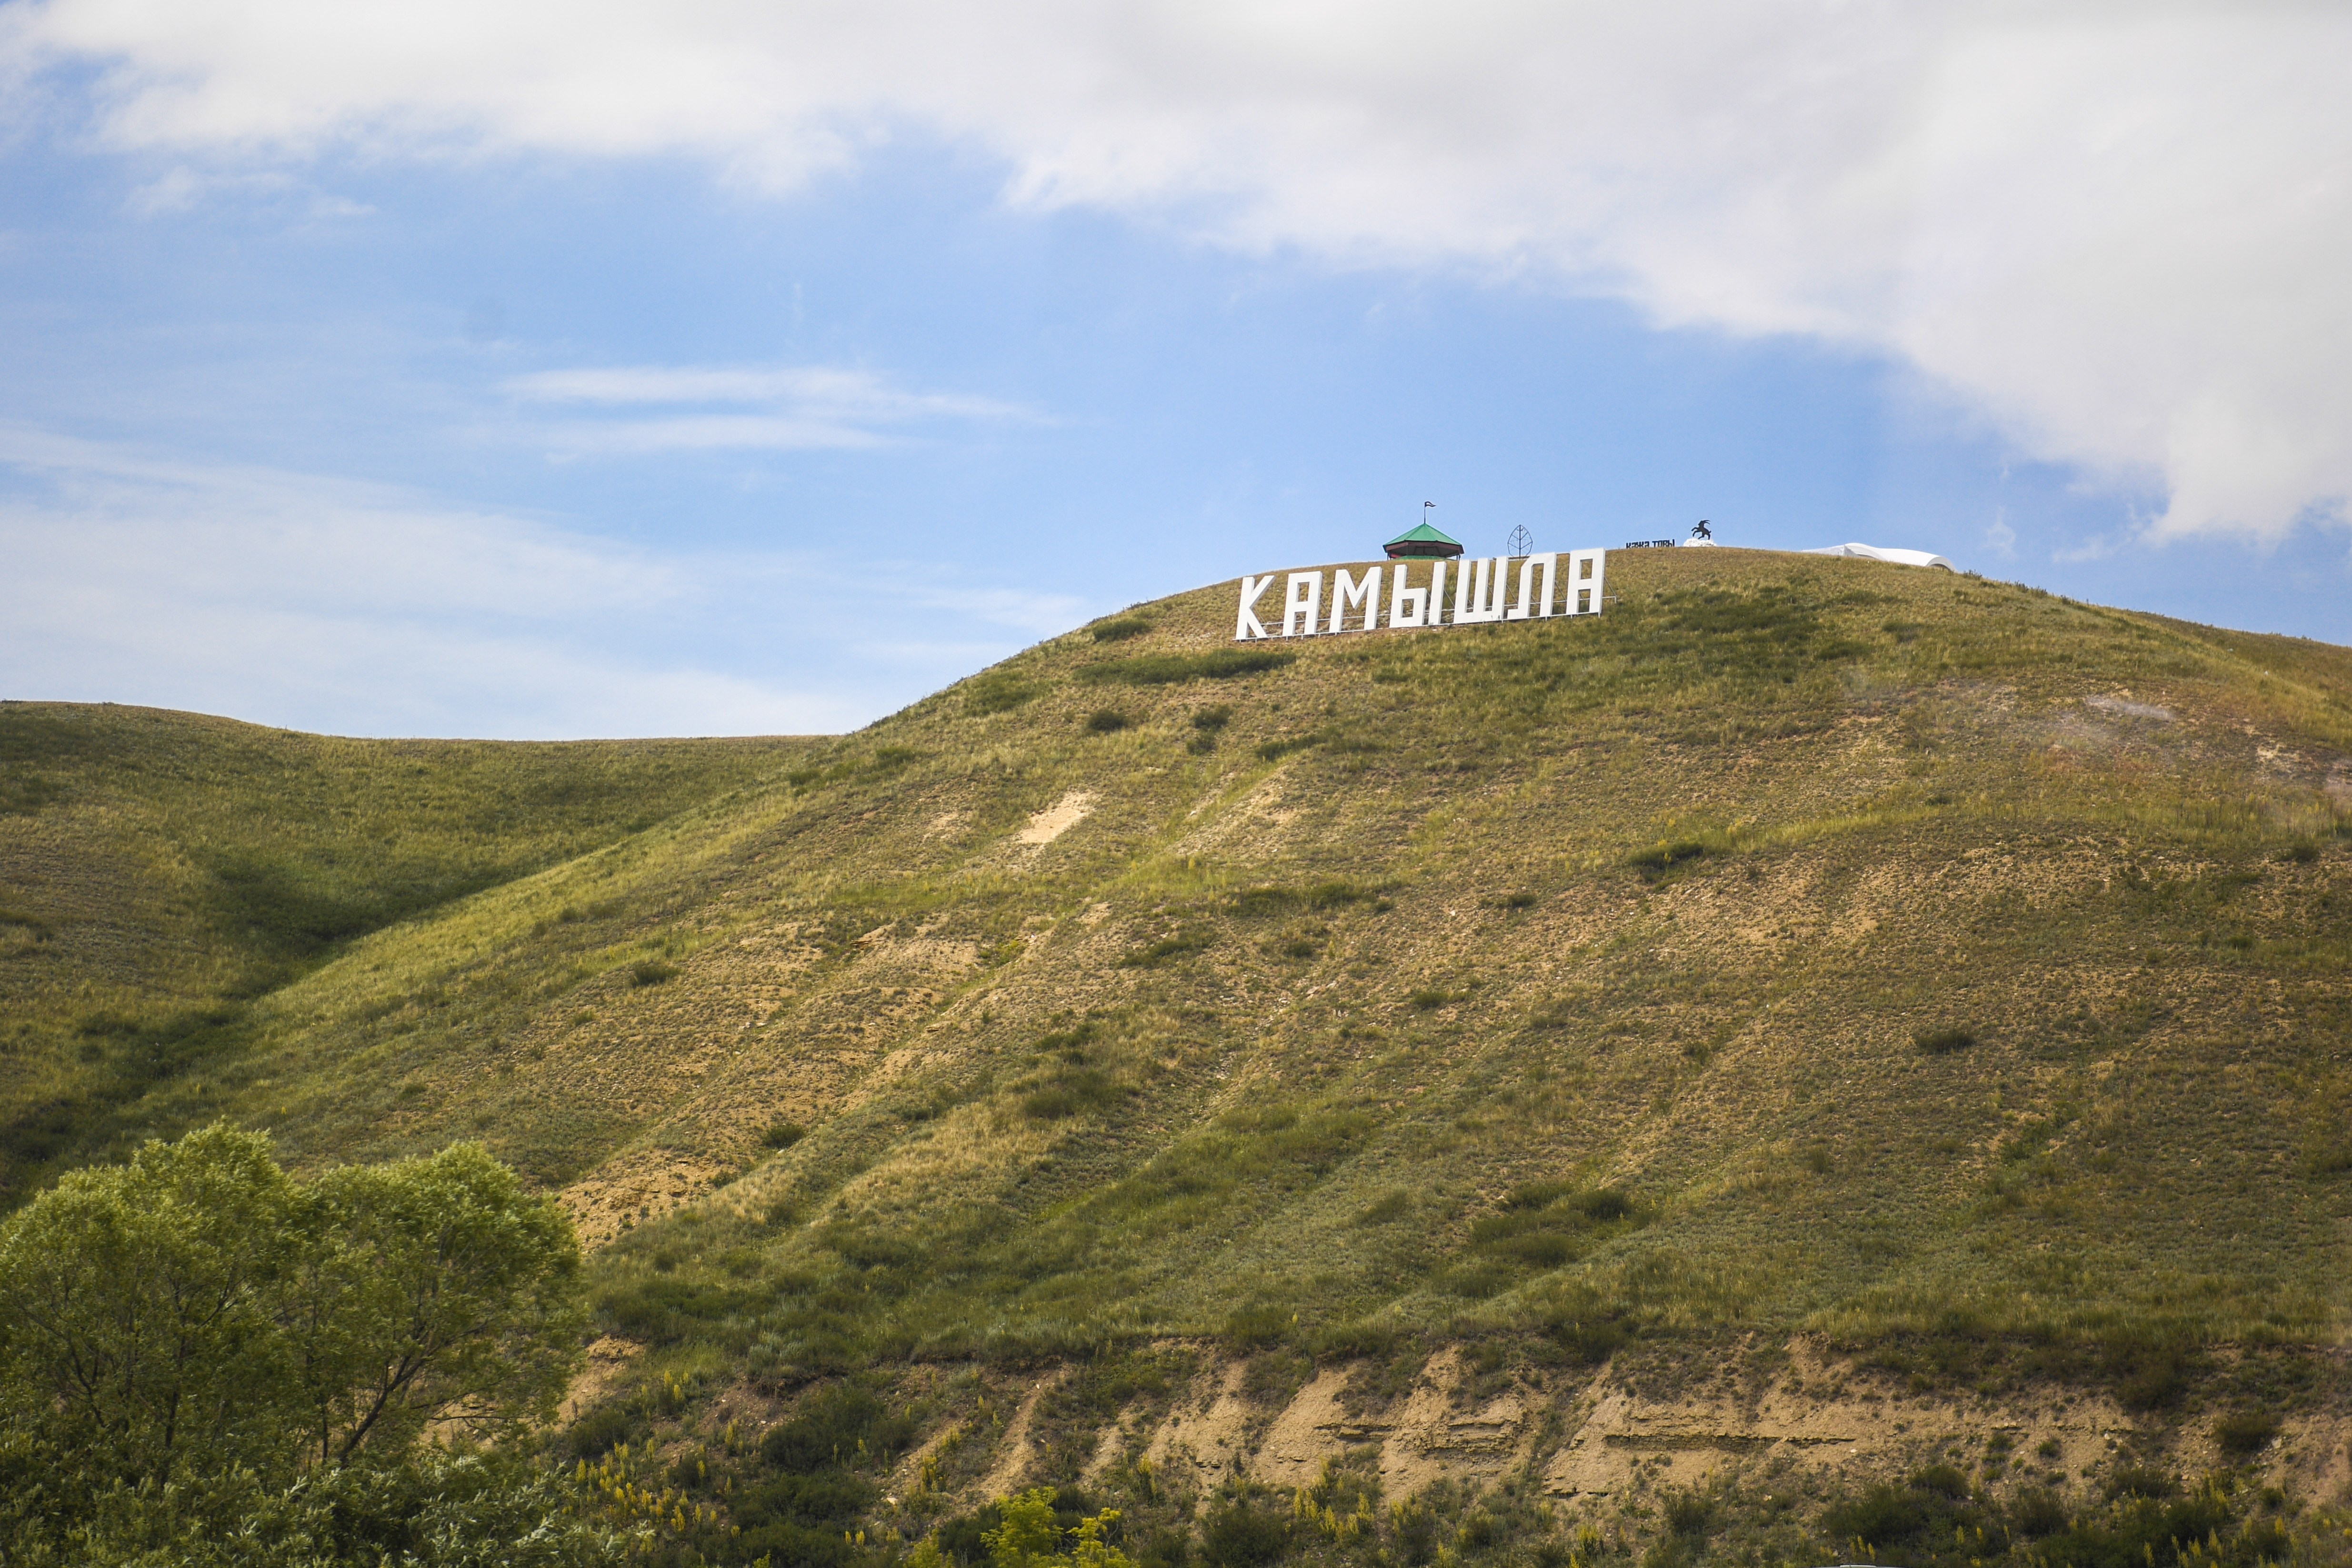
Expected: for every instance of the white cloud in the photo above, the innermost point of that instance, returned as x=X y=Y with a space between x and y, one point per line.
x=804 y=407
x=320 y=602
x=2000 y=538
x=2117 y=227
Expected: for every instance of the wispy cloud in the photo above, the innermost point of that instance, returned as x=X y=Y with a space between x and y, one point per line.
x=325 y=603
x=2000 y=538
x=2116 y=228
x=777 y=408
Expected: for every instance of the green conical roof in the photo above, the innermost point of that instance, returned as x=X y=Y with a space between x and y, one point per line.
x=1424 y=535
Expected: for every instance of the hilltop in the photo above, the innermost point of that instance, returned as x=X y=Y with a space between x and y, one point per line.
x=1816 y=1006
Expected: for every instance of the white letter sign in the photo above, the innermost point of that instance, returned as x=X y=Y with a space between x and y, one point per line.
x=1407 y=606
x=1584 y=569
x=1302 y=600
x=1247 y=625
x=1346 y=591
x=1478 y=595
x=1481 y=594
x=1550 y=564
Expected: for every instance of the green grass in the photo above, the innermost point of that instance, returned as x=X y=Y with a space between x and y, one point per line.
x=171 y=875
x=1329 y=1047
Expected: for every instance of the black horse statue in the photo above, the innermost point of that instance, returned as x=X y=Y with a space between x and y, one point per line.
x=1700 y=532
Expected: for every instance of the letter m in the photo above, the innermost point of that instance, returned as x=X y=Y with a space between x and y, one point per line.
x=1346 y=590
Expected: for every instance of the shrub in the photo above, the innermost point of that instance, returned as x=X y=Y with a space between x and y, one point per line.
x=1272 y=900
x=1944 y=1480
x=595 y=1433
x=1881 y=1516
x=1121 y=629
x=1537 y=1194
x=833 y=1425
x=1666 y=856
x=1069 y=1043
x=2265 y=1541
x=1589 y=1340
x=651 y=972
x=1183 y=943
x=1689 y=1513
x=2150 y=1372
x=1215 y=717
x=783 y=1135
x=2140 y=1481
x=1429 y=997
x=40 y=928
x=2038 y=1513
x=1000 y=691
x=1169 y=669
x=2247 y=1433
x=1416 y=1526
x=1943 y=1041
x=1606 y=1203
x=1258 y=1325
x=1521 y=901
x=1482 y=1532
x=1239 y=1536
x=1069 y=1094
x=1106 y=720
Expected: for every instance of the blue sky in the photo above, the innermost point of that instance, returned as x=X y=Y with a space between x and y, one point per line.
x=347 y=399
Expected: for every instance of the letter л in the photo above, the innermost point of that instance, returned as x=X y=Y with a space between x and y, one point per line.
x=1550 y=564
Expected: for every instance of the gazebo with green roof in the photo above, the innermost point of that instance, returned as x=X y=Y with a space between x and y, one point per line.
x=1422 y=541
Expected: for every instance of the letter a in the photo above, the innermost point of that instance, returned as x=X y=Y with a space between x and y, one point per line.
x=1302 y=600
x=1247 y=625
x=1585 y=576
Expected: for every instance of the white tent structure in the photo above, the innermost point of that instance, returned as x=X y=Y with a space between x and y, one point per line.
x=1880 y=552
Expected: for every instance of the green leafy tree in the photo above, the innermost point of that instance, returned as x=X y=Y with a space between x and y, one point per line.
x=430 y=1292
x=1028 y=1536
x=139 y=1329
x=195 y=1347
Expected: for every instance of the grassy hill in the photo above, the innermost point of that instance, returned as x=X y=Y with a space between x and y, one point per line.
x=163 y=875
x=1815 y=997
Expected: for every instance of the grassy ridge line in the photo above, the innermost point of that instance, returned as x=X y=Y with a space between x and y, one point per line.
x=188 y=866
